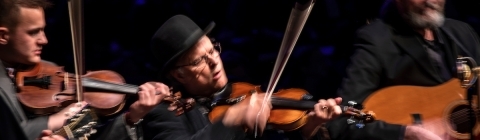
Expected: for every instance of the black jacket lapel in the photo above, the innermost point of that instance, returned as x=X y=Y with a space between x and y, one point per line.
x=451 y=52
x=5 y=89
x=413 y=47
x=455 y=42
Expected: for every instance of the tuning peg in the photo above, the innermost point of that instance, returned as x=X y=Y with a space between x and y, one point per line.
x=92 y=123
x=85 y=110
x=78 y=115
x=80 y=130
x=93 y=131
x=355 y=105
x=350 y=120
x=86 y=127
x=360 y=124
x=352 y=103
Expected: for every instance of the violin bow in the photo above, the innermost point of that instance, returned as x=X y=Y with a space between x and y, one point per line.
x=75 y=126
x=75 y=10
x=298 y=17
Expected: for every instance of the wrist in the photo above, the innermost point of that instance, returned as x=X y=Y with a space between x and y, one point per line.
x=310 y=128
x=132 y=121
x=56 y=121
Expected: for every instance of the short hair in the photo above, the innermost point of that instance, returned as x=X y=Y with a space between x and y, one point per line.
x=10 y=9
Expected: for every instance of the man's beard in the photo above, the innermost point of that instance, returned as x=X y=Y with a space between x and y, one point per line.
x=432 y=19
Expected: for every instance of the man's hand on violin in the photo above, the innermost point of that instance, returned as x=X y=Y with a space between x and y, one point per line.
x=326 y=110
x=57 y=120
x=244 y=114
x=150 y=94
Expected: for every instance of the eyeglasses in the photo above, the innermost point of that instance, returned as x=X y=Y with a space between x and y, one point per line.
x=214 y=53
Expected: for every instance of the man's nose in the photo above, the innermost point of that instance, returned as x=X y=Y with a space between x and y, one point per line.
x=212 y=60
x=43 y=40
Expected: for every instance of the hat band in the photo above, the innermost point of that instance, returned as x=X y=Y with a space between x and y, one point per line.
x=192 y=39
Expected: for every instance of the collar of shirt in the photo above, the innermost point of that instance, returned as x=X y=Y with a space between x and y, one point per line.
x=10 y=72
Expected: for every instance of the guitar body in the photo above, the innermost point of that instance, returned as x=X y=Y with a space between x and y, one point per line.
x=446 y=102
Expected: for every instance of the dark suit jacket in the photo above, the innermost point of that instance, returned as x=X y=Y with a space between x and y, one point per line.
x=161 y=124
x=112 y=128
x=9 y=122
x=390 y=53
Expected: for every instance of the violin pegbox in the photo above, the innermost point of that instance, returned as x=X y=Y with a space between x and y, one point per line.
x=357 y=116
x=178 y=104
x=79 y=126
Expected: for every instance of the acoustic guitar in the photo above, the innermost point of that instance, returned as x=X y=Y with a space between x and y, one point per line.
x=403 y=104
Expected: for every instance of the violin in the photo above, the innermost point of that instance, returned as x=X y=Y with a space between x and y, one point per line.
x=289 y=107
x=46 y=88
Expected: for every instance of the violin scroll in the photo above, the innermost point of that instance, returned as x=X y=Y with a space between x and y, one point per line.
x=178 y=104
x=357 y=116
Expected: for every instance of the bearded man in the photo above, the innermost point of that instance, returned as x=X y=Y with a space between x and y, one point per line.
x=412 y=44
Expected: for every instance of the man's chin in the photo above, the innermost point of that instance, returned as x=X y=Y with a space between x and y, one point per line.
x=427 y=21
x=220 y=83
x=34 y=60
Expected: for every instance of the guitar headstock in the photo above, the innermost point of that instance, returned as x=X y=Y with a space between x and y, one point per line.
x=80 y=125
x=357 y=116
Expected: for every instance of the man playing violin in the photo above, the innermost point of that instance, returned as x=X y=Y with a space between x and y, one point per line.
x=412 y=44
x=191 y=64
x=22 y=37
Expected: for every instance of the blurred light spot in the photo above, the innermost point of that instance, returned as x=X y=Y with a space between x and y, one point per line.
x=327 y=50
x=139 y=2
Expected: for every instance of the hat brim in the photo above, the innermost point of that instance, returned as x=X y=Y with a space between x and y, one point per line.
x=189 y=43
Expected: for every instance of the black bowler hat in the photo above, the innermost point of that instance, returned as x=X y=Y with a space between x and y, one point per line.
x=175 y=36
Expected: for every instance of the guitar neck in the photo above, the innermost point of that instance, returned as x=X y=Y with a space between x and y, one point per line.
x=107 y=86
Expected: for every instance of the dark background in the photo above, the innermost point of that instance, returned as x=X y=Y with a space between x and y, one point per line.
x=117 y=34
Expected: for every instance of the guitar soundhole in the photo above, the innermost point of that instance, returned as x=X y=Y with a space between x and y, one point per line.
x=460 y=119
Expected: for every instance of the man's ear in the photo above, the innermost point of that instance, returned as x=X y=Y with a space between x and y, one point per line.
x=178 y=75
x=4 y=35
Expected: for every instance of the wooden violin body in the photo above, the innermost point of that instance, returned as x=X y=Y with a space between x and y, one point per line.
x=46 y=89
x=289 y=106
x=448 y=102
x=280 y=118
